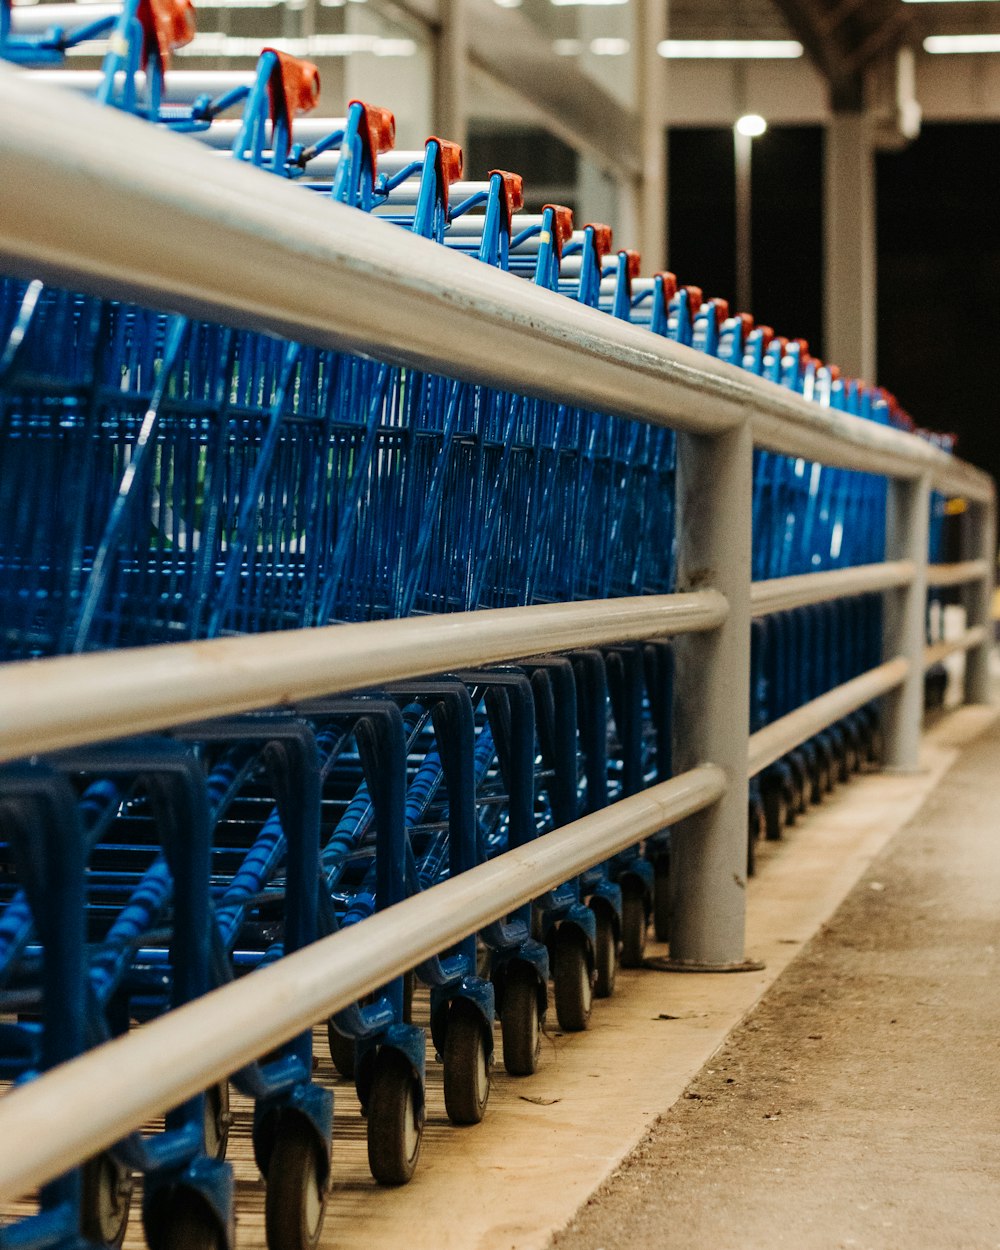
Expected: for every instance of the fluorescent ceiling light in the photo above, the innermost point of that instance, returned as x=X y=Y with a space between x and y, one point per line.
x=508 y=4
x=729 y=49
x=609 y=47
x=567 y=47
x=962 y=43
x=751 y=124
x=560 y=4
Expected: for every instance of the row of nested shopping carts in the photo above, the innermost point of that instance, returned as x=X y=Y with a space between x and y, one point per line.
x=166 y=479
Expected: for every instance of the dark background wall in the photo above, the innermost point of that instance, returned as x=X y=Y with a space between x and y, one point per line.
x=939 y=283
x=787 y=223
x=938 y=258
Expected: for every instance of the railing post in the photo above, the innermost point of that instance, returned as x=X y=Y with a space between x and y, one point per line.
x=708 y=852
x=979 y=541
x=905 y=631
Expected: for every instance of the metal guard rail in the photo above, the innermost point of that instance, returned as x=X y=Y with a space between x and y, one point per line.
x=222 y=242
x=212 y=239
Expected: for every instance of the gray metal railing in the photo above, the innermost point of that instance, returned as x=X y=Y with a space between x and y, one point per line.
x=209 y=238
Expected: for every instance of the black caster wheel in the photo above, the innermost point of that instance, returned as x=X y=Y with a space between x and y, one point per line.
x=840 y=769
x=815 y=774
x=217 y=1120
x=295 y=1202
x=793 y=798
x=182 y=1220
x=572 y=981
x=395 y=1121
x=661 y=898
x=409 y=983
x=755 y=831
x=466 y=1065
x=775 y=811
x=875 y=747
x=635 y=922
x=800 y=789
x=520 y=1023
x=341 y=1050
x=105 y=1200
x=605 y=954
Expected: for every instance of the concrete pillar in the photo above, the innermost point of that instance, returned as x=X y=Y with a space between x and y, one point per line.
x=450 y=73
x=905 y=621
x=651 y=85
x=708 y=851
x=849 y=245
x=979 y=542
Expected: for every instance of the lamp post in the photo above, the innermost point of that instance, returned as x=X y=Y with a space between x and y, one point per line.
x=747 y=128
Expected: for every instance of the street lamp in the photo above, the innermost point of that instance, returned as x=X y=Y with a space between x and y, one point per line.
x=747 y=128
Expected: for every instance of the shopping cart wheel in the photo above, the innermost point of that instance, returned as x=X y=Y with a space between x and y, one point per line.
x=520 y=1024
x=341 y=1050
x=775 y=810
x=605 y=952
x=295 y=1202
x=409 y=985
x=755 y=831
x=875 y=748
x=661 y=898
x=572 y=981
x=466 y=1065
x=634 y=924
x=217 y=1120
x=395 y=1120
x=105 y=1200
x=184 y=1222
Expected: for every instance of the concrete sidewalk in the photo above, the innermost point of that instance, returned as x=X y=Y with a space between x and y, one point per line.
x=859 y=1104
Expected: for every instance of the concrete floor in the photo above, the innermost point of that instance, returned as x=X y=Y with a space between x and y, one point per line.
x=549 y=1141
x=859 y=1104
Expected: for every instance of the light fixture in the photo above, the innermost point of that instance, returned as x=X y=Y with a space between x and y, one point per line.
x=944 y=44
x=609 y=47
x=567 y=47
x=508 y=4
x=752 y=125
x=232 y=47
x=561 y=4
x=729 y=49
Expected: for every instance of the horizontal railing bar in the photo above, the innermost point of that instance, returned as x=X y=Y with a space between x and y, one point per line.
x=938 y=651
x=959 y=574
x=779 y=594
x=80 y=699
x=775 y=740
x=93 y=1101
x=217 y=239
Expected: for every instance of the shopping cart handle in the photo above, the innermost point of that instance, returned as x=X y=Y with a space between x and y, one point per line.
x=721 y=309
x=668 y=284
x=513 y=192
x=166 y=26
x=633 y=262
x=297 y=82
x=562 y=218
x=603 y=237
x=449 y=161
x=379 y=129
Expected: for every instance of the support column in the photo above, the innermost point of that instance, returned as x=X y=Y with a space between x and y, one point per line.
x=651 y=194
x=905 y=623
x=450 y=71
x=979 y=541
x=708 y=852
x=849 y=245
